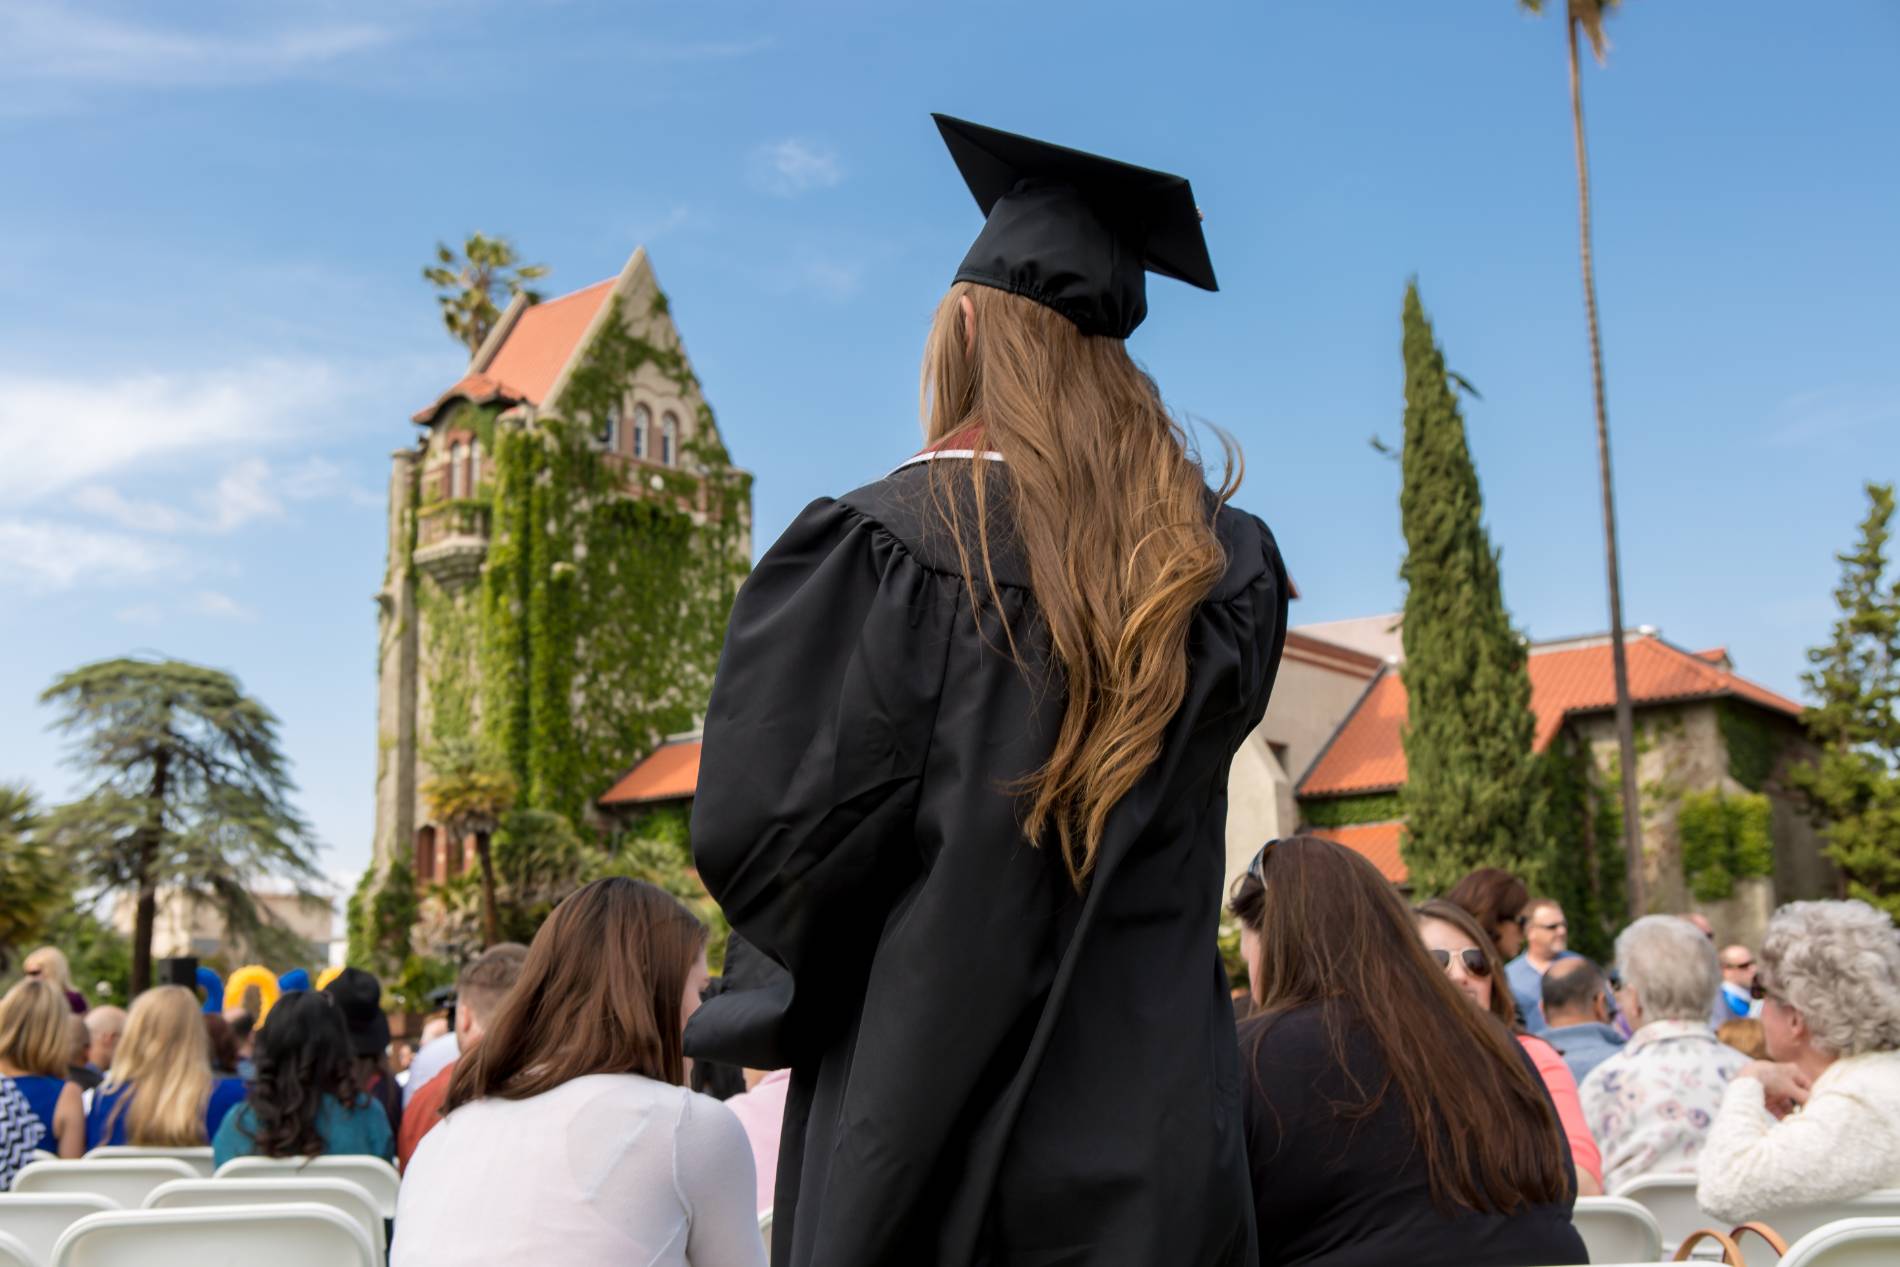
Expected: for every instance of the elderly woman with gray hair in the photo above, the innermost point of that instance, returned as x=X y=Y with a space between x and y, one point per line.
x=1820 y=1120
x=1650 y=1105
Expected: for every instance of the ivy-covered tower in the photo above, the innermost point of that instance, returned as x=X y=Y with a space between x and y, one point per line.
x=565 y=539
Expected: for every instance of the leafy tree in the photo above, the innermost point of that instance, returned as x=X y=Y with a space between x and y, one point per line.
x=469 y=285
x=32 y=885
x=1853 y=788
x=190 y=792
x=469 y=794
x=1587 y=16
x=1472 y=795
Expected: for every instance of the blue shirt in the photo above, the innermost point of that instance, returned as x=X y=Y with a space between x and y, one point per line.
x=103 y=1127
x=1585 y=1046
x=42 y=1096
x=360 y=1129
x=1527 y=987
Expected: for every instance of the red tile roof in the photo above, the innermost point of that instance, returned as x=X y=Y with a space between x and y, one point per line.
x=1379 y=842
x=670 y=774
x=533 y=353
x=1367 y=755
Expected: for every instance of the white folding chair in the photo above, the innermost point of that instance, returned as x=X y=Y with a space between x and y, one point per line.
x=1795 y=1222
x=37 y=1219
x=199 y=1159
x=765 y=1230
x=1671 y=1198
x=374 y=1175
x=1616 y=1229
x=288 y=1234
x=339 y=1194
x=14 y=1253
x=124 y=1181
x=1848 y=1243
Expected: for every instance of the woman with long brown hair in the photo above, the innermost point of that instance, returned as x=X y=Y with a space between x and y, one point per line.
x=964 y=777
x=568 y=1134
x=1388 y=1120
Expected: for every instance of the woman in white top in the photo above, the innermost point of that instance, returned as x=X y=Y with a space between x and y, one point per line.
x=1820 y=1120
x=568 y=1135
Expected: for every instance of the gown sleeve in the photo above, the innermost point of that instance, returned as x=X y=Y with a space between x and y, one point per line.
x=814 y=748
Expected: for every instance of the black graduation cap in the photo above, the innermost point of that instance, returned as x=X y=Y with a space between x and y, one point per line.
x=1073 y=231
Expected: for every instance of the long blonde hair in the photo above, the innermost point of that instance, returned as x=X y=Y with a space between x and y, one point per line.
x=36 y=1034
x=1115 y=521
x=165 y=1058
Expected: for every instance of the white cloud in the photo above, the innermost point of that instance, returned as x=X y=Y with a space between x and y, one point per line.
x=49 y=554
x=699 y=50
x=43 y=40
x=59 y=432
x=1811 y=416
x=213 y=603
x=140 y=516
x=792 y=167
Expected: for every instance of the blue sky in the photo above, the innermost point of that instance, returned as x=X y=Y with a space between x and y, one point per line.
x=212 y=331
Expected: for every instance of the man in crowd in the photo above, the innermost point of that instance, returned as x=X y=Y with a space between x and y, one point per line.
x=436 y=1050
x=1738 y=976
x=484 y=983
x=103 y=1027
x=1577 y=1011
x=1546 y=940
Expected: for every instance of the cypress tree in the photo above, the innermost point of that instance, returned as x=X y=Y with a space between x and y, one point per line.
x=1853 y=788
x=1473 y=793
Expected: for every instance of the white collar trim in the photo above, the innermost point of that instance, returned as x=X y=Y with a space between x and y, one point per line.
x=931 y=455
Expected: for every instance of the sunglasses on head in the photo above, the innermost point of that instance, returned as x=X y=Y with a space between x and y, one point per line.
x=1476 y=965
x=1257 y=868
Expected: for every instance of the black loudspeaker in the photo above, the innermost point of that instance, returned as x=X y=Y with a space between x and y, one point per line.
x=182 y=971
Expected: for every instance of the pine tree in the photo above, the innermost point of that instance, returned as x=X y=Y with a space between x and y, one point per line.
x=1854 y=787
x=1472 y=795
x=190 y=793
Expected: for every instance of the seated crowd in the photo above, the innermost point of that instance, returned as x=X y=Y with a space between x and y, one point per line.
x=1435 y=1083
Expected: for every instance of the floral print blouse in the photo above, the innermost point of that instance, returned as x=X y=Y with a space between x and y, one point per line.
x=1650 y=1105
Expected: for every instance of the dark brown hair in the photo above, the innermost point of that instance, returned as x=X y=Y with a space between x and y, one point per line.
x=600 y=993
x=303 y=1054
x=1492 y=895
x=1336 y=933
x=224 y=1044
x=1247 y=902
x=1503 y=1002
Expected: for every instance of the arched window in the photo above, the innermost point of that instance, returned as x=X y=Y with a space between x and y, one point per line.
x=610 y=430
x=456 y=452
x=642 y=423
x=470 y=477
x=425 y=855
x=669 y=438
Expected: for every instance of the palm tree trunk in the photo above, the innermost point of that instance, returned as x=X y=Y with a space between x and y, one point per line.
x=1619 y=659
x=491 y=919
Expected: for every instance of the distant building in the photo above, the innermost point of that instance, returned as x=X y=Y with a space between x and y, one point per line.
x=565 y=538
x=1703 y=728
x=188 y=925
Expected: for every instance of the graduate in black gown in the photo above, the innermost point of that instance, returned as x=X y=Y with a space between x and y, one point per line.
x=964 y=779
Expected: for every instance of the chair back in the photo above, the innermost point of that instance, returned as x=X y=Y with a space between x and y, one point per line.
x=1671 y=1198
x=1795 y=1222
x=372 y=1174
x=1848 y=1243
x=339 y=1194
x=1617 y=1230
x=286 y=1234
x=124 y=1181
x=13 y=1253
x=199 y=1159
x=37 y=1219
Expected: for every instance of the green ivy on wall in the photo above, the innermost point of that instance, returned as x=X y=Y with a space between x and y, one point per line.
x=1724 y=838
x=1754 y=743
x=1344 y=811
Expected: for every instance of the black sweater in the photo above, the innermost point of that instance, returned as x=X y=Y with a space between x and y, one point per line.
x=1352 y=1192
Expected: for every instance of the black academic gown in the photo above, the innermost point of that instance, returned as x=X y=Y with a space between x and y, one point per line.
x=988 y=1067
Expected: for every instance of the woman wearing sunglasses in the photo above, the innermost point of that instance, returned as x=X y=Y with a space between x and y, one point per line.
x=1470 y=962
x=1387 y=1121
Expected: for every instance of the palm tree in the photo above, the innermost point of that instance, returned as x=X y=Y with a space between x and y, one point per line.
x=470 y=284
x=470 y=793
x=1588 y=16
